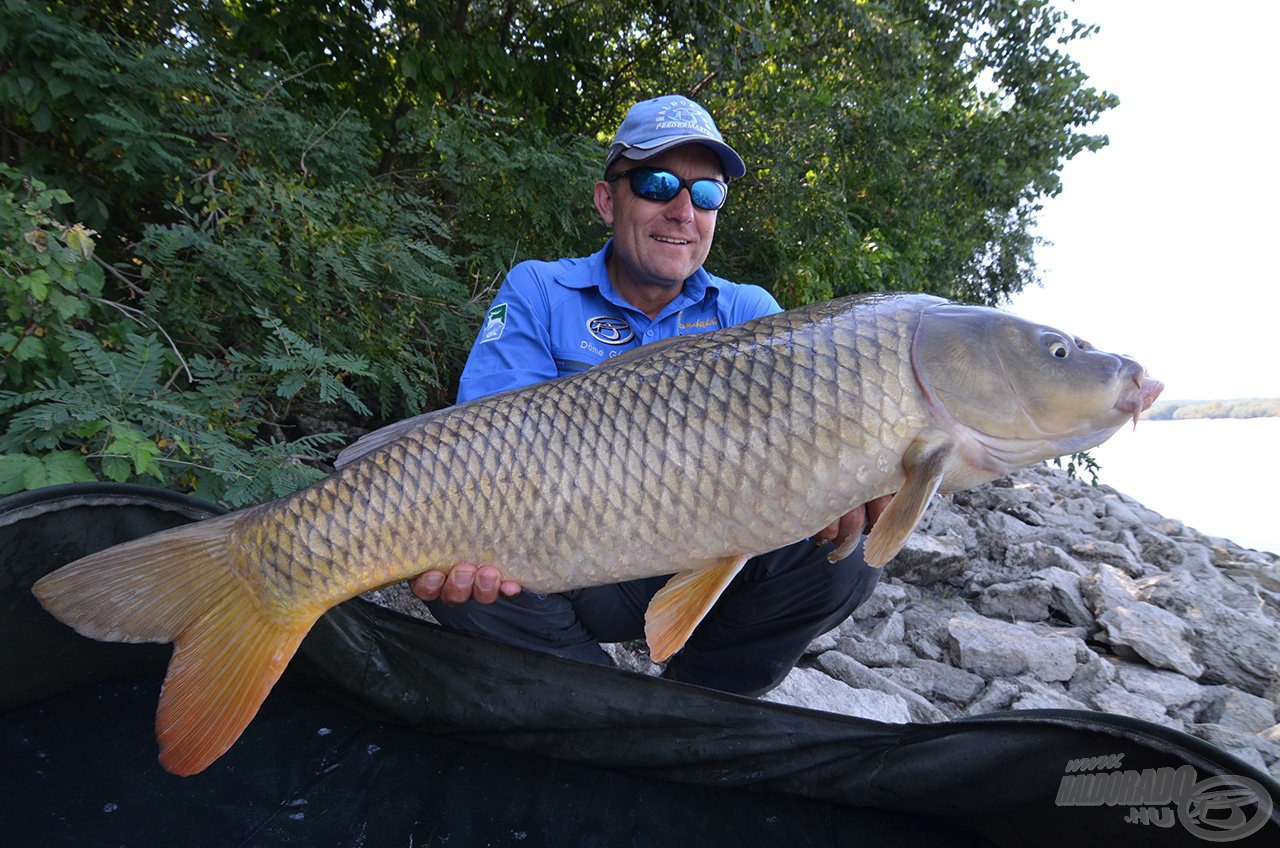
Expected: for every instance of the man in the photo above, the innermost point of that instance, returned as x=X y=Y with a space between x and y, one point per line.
x=665 y=178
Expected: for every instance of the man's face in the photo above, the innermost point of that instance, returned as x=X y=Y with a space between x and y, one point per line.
x=659 y=244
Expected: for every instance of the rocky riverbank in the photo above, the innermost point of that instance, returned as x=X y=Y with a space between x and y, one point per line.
x=1041 y=591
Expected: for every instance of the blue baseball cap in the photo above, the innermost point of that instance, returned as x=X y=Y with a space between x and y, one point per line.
x=652 y=126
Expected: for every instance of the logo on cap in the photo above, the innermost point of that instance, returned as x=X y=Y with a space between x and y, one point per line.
x=684 y=115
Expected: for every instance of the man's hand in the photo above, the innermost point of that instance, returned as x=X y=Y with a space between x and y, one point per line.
x=465 y=582
x=846 y=529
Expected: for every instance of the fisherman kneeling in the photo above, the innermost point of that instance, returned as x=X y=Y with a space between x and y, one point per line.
x=665 y=178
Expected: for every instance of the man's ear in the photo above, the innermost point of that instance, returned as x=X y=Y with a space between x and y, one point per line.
x=604 y=202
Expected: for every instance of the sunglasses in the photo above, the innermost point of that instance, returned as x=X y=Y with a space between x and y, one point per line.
x=661 y=186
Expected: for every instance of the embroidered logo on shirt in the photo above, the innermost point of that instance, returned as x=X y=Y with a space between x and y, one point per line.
x=610 y=329
x=495 y=321
x=699 y=326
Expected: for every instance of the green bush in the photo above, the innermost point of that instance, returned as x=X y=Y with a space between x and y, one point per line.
x=219 y=217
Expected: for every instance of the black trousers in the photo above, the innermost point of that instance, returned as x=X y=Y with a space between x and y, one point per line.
x=750 y=641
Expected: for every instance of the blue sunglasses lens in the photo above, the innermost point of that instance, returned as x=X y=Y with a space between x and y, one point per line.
x=708 y=194
x=661 y=186
x=655 y=185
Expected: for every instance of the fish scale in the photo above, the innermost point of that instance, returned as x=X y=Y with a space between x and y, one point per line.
x=679 y=458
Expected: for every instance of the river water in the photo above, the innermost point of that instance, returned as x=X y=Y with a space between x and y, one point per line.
x=1220 y=476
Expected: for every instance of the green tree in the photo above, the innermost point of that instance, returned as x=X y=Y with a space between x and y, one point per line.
x=291 y=210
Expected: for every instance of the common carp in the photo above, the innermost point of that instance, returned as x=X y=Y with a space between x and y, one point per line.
x=684 y=458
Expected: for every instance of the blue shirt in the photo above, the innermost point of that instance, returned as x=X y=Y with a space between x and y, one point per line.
x=550 y=319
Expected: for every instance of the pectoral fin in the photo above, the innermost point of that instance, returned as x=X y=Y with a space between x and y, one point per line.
x=679 y=606
x=925 y=464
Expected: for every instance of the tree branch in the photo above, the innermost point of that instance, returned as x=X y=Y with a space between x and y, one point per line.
x=302 y=162
x=137 y=316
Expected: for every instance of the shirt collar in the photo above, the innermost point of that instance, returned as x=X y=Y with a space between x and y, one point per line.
x=594 y=272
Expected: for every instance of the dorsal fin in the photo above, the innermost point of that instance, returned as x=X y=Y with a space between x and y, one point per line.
x=383 y=436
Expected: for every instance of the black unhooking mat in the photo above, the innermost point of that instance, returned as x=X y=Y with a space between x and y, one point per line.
x=388 y=731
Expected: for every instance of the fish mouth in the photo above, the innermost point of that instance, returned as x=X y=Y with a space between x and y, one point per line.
x=1147 y=389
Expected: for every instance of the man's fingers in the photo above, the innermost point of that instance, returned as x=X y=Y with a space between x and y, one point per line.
x=486 y=585
x=852 y=522
x=427 y=585
x=464 y=582
x=457 y=588
x=876 y=508
x=849 y=524
x=826 y=534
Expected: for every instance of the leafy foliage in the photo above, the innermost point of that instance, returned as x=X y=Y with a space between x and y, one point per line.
x=118 y=420
x=219 y=215
x=48 y=279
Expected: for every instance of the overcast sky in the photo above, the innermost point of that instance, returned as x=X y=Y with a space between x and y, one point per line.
x=1165 y=241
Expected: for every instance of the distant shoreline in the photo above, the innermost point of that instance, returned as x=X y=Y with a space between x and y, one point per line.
x=1174 y=410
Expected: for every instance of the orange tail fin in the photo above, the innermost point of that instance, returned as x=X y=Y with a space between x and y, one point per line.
x=180 y=586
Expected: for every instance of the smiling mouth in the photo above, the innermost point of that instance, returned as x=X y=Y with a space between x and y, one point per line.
x=669 y=240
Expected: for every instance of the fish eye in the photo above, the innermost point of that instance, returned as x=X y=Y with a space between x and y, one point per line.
x=1059 y=349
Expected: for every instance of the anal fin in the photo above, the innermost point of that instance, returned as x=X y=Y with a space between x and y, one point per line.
x=925 y=464
x=678 y=607
x=222 y=668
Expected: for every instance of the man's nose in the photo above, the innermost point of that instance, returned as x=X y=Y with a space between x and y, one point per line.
x=680 y=207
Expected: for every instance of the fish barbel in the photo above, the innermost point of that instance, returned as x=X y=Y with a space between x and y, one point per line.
x=685 y=458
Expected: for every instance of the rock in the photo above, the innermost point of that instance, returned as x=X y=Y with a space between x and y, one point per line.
x=926 y=560
x=397 y=596
x=1043 y=696
x=926 y=632
x=871 y=652
x=885 y=599
x=935 y=680
x=1031 y=557
x=1237 y=710
x=826 y=642
x=1154 y=548
x=630 y=658
x=1065 y=597
x=1158 y=636
x=1170 y=690
x=1119 y=700
x=808 y=687
x=1091 y=676
x=1236 y=740
x=1236 y=644
x=998 y=695
x=1107 y=588
x=1000 y=649
x=1025 y=600
x=1252 y=756
x=1113 y=554
x=890 y=631
x=857 y=675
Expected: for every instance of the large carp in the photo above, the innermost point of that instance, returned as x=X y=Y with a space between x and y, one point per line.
x=684 y=458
